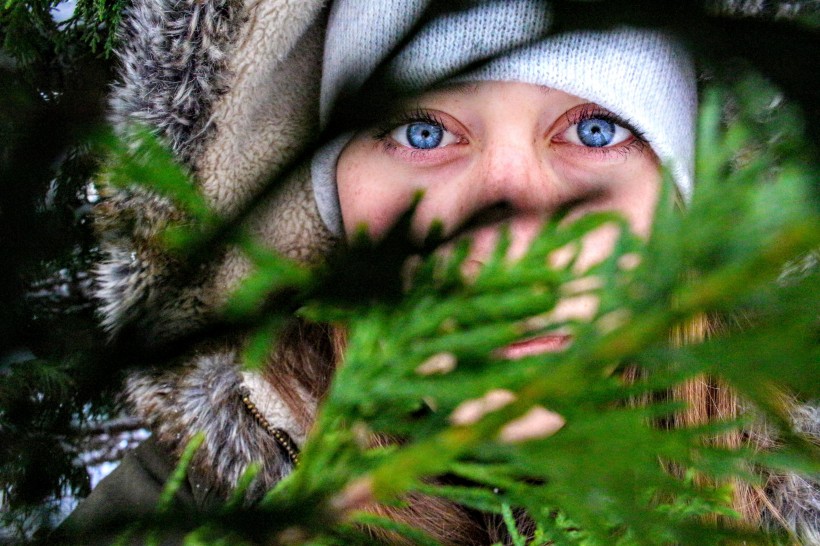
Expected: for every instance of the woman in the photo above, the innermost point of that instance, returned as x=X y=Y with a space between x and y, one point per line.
x=498 y=125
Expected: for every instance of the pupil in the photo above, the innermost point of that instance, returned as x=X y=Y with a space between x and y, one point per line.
x=596 y=132
x=424 y=136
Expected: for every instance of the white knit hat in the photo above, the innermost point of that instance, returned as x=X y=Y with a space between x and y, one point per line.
x=643 y=76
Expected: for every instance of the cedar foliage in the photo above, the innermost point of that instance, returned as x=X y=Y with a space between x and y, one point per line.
x=603 y=478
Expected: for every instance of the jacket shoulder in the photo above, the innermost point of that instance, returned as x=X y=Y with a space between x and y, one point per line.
x=132 y=491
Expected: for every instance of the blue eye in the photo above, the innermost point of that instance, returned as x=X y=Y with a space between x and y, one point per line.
x=424 y=135
x=593 y=130
x=596 y=132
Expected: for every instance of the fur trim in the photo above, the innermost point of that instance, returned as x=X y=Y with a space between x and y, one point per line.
x=226 y=85
x=794 y=500
x=207 y=397
x=138 y=283
x=173 y=67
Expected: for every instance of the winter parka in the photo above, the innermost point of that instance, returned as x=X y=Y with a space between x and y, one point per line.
x=232 y=86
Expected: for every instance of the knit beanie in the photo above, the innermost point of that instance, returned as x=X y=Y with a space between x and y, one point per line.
x=643 y=76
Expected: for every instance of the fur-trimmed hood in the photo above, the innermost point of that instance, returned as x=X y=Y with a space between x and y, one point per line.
x=232 y=86
x=211 y=396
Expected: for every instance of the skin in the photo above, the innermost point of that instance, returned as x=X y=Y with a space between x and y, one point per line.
x=510 y=157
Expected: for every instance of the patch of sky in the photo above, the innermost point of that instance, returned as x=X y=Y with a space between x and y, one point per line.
x=63 y=11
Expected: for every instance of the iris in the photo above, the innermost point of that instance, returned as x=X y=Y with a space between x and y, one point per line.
x=424 y=135
x=596 y=132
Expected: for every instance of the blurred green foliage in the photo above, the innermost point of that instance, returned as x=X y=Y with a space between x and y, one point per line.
x=597 y=480
x=723 y=254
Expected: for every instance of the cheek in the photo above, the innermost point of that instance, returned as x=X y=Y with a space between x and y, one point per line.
x=370 y=192
x=631 y=190
x=629 y=186
x=640 y=198
x=596 y=246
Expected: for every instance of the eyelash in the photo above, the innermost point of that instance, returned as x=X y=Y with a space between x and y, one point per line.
x=590 y=111
x=573 y=117
x=382 y=133
x=593 y=111
x=413 y=116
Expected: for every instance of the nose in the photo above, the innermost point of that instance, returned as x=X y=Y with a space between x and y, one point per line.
x=510 y=182
x=515 y=175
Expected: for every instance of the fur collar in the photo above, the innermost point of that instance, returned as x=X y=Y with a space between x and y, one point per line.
x=793 y=500
x=228 y=85
x=173 y=67
x=206 y=396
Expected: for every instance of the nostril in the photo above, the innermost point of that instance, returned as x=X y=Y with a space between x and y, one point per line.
x=565 y=207
x=493 y=214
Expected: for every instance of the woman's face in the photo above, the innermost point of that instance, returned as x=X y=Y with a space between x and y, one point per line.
x=501 y=154
x=494 y=154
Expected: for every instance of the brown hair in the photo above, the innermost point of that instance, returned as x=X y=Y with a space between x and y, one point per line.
x=306 y=356
x=708 y=399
